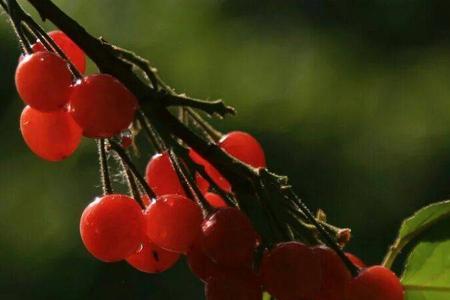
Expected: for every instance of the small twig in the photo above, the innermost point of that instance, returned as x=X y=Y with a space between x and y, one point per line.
x=212 y=108
x=104 y=169
x=141 y=63
x=354 y=270
x=212 y=133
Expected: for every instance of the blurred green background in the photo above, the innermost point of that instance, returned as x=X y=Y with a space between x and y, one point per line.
x=351 y=99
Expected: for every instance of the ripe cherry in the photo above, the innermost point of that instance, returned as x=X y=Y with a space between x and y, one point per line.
x=202 y=183
x=102 y=105
x=70 y=49
x=111 y=227
x=211 y=171
x=228 y=238
x=215 y=200
x=162 y=177
x=355 y=260
x=50 y=135
x=237 y=286
x=335 y=276
x=244 y=147
x=152 y=259
x=199 y=263
x=43 y=81
x=376 y=283
x=173 y=222
x=291 y=271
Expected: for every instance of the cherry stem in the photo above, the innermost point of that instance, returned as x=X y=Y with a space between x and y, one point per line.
x=183 y=152
x=131 y=182
x=188 y=182
x=124 y=157
x=265 y=202
x=354 y=270
x=12 y=8
x=104 y=169
x=151 y=133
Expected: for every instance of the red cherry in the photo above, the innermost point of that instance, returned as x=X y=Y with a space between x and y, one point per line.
x=50 y=135
x=355 y=260
x=111 y=227
x=152 y=259
x=43 y=81
x=228 y=238
x=70 y=49
x=211 y=171
x=215 y=200
x=335 y=276
x=162 y=177
x=102 y=105
x=244 y=147
x=238 y=286
x=376 y=283
x=37 y=47
x=291 y=271
x=200 y=264
x=202 y=183
x=173 y=222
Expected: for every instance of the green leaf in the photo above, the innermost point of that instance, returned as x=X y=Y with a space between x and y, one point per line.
x=415 y=225
x=266 y=296
x=427 y=271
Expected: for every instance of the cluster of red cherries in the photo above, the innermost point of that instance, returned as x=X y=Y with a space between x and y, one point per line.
x=220 y=246
x=62 y=108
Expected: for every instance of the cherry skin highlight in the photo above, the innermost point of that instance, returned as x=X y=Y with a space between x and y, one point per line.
x=111 y=227
x=70 y=49
x=52 y=136
x=291 y=271
x=102 y=105
x=376 y=283
x=215 y=200
x=43 y=81
x=237 y=286
x=335 y=276
x=244 y=147
x=162 y=177
x=152 y=259
x=173 y=222
x=228 y=238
